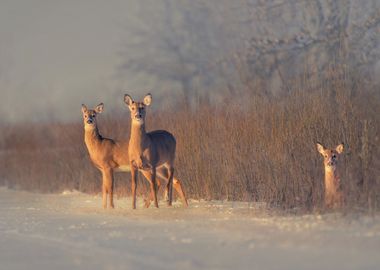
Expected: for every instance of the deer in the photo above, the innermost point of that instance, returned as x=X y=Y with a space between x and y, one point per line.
x=106 y=154
x=333 y=196
x=151 y=153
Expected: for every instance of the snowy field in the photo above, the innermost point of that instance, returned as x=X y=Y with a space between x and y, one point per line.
x=71 y=231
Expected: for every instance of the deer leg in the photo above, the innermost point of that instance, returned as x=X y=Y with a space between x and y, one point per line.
x=109 y=184
x=104 y=189
x=169 y=186
x=107 y=188
x=178 y=187
x=153 y=187
x=104 y=194
x=150 y=198
x=151 y=177
x=134 y=173
x=158 y=183
x=164 y=174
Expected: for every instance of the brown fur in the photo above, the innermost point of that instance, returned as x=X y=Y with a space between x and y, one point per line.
x=106 y=154
x=151 y=153
x=333 y=193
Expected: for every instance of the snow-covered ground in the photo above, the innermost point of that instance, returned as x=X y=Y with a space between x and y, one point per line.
x=71 y=231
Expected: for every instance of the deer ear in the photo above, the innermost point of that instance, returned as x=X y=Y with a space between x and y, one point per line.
x=320 y=148
x=147 y=99
x=128 y=100
x=340 y=148
x=84 y=108
x=99 y=108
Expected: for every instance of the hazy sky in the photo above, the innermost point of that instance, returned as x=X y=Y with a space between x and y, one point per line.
x=54 y=55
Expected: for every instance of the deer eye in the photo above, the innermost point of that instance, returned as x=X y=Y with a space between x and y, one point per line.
x=85 y=116
x=334 y=156
x=325 y=156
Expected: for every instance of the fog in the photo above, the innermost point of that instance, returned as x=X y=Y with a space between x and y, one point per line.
x=54 y=56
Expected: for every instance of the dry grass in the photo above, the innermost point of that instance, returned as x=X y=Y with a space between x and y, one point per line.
x=261 y=152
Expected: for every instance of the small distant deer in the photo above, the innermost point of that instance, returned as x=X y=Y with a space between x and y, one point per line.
x=106 y=154
x=151 y=153
x=333 y=193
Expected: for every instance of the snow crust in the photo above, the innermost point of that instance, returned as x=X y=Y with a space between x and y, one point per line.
x=72 y=231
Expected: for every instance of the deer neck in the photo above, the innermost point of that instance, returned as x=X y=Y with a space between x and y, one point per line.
x=138 y=137
x=331 y=177
x=92 y=137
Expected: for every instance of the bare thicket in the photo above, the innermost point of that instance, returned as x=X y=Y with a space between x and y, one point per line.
x=261 y=152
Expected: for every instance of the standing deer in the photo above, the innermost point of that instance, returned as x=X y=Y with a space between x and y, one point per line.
x=333 y=193
x=151 y=153
x=106 y=154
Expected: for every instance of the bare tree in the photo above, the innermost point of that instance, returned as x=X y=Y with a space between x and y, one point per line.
x=249 y=44
x=176 y=42
x=288 y=36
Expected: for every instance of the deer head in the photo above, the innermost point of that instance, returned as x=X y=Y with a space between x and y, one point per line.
x=137 y=108
x=89 y=116
x=330 y=156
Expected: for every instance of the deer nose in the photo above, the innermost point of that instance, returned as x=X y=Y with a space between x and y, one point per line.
x=90 y=121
